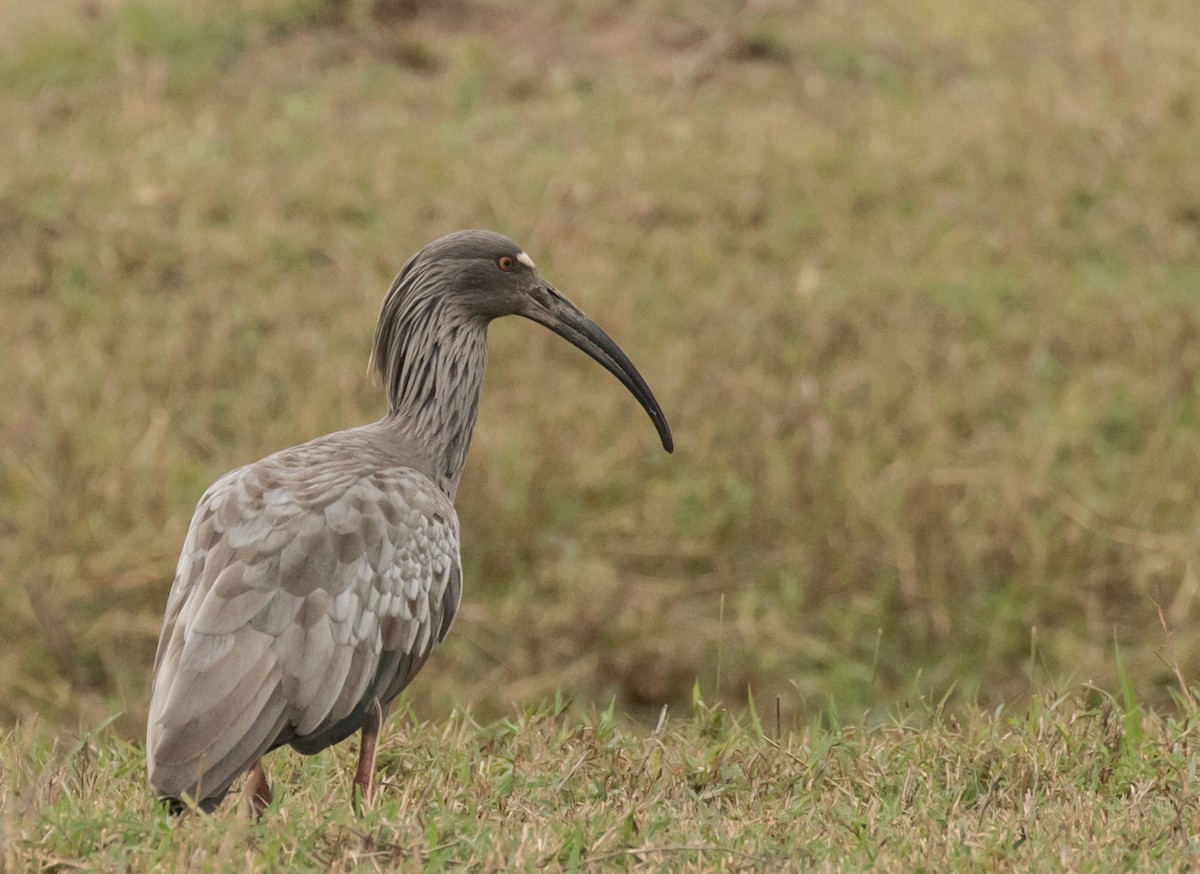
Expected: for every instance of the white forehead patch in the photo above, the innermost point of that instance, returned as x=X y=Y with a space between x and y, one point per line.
x=525 y=259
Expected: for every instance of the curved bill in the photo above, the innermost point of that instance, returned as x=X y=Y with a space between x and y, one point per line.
x=564 y=318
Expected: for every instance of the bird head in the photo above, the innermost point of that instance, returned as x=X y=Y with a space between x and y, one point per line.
x=483 y=275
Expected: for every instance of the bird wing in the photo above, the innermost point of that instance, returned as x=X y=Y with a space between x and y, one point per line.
x=293 y=607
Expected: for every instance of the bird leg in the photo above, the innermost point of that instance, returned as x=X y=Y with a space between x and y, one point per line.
x=363 y=789
x=258 y=790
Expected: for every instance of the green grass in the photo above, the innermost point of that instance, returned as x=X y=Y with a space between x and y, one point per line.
x=916 y=287
x=1065 y=784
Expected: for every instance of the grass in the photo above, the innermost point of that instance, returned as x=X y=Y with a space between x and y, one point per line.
x=915 y=287
x=1066 y=784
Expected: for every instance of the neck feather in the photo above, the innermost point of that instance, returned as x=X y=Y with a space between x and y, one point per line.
x=431 y=357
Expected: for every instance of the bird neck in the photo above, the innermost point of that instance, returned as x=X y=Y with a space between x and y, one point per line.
x=433 y=381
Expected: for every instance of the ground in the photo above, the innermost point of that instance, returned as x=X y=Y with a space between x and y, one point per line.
x=1077 y=783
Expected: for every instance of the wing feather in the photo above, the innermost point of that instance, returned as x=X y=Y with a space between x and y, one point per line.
x=301 y=594
x=231 y=602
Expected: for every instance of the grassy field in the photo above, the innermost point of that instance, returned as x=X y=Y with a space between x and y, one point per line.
x=917 y=287
x=1076 y=783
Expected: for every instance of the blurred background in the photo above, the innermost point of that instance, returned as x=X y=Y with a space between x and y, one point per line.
x=916 y=284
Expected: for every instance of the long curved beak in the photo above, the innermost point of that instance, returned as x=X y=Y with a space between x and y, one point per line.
x=565 y=319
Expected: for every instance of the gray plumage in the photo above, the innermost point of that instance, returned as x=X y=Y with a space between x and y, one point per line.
x=314 y=583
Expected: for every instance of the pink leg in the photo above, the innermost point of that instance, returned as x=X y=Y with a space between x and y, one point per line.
x=363 y=790
x=258 y=790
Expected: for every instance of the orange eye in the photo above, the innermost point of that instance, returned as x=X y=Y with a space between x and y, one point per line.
x=506 y=263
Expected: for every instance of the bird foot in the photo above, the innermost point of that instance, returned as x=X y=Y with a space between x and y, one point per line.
x=362 y=796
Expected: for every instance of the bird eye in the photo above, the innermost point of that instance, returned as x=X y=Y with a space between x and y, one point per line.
x=506 y=263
